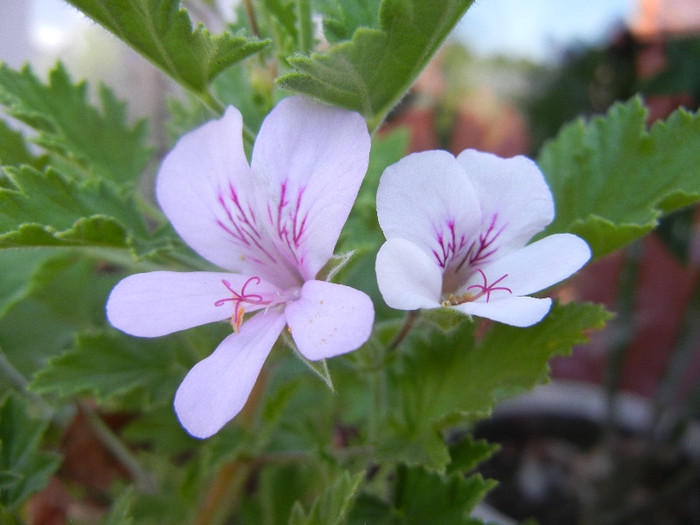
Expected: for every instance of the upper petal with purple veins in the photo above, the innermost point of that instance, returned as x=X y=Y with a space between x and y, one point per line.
x=425 y=198
x=311 y=158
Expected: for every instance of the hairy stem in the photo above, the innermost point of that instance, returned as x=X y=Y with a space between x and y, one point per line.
x=142 y=479
x=405 y=329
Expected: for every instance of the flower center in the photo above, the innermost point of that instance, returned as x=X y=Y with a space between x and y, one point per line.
x=481 y=290
x=240 y=298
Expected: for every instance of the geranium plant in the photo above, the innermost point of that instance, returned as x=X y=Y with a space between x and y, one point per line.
x=303 y=324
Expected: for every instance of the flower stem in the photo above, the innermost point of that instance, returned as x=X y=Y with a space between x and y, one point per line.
x=405 y=329
x=224 y=488
x=142 y=479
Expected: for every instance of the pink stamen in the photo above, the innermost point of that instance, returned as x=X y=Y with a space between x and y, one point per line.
x=486 y=289
x=240 y=298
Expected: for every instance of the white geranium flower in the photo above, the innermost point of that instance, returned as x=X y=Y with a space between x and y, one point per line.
x=271 y=226
x=457 y=229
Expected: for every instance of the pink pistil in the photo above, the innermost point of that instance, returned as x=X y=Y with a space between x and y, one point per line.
x=238 y=299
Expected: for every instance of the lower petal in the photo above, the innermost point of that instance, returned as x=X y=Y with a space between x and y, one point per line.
x=408 y=278
x=539 y=265
x=217 y=388
x=515 y=311
x=329 y=319
x=159 y=303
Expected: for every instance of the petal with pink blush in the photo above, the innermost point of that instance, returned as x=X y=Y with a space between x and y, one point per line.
x=515 y=311
x=408 y=278
x=201 y=169
x=421 y=195
x=514 y=190
x=159 y=303
x=329 y=319
x=217 y=388
x=317 y=155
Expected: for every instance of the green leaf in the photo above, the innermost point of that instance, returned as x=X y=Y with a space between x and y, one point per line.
x=466 y=454
x=371 y=72
x=47 y=209
x=109 y=365
x=16 y=270
x=447 y=377
x=420 y=497
x=13 y=148
x=20 y=457
x=612 y=179
x=350 y=16
x=100 y=143
x=162 y=32
x=120 y=513
x=331 y=508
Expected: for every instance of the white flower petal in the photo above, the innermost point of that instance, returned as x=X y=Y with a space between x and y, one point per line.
x=329 y=319
x=194 y=178
x=420 y=196
x=313 y=158
x=159 y=303
x=408 y=279
x=515 y=191
x=515 y=311
x=217 y=388
x=539 y=265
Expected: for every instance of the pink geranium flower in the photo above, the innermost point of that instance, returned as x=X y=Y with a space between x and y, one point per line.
x=457 y=229
x=271 y=227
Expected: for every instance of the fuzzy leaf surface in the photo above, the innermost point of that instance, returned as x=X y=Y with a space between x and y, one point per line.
x=99 y=142
x=370 y=73
x=162 y=32
x=612 y=178
x=46 y=209
x=124 y=364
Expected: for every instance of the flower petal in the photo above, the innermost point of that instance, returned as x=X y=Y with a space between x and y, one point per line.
x=329 y=319
x=539 y=265
x=408 y=279
x=194 y=185
x=515 y=311
x=514 y=191
x=426 y=198
x=313 y=158
x=159 y=303
x=217 y=388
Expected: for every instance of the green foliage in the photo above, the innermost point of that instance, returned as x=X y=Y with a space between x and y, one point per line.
x=466 y=454
x=17 y=267
x=120 y=513
x=13 y=150
x=162 y=32
x=331 y=508
x=99 y=144
x=48 y=209
x=612 y=179
x=441 y=378
x=348 y=17
x=420 y=496
x=24 y=468
x=124 y=364
x=371 y=72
